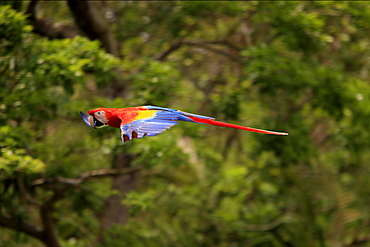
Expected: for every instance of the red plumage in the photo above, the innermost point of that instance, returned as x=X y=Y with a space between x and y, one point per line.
x=235 y=126
x=137 y=122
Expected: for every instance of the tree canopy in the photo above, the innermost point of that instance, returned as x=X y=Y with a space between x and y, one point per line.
x=297 y=67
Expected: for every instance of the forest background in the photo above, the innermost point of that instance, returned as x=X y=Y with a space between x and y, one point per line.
x=297 y=67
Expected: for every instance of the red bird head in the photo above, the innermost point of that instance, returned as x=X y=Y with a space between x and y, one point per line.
x=96 y=118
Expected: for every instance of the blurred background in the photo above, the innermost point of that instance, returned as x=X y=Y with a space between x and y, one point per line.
x=296 y=67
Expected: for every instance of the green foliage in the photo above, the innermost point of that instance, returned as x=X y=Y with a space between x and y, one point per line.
x=12 y=28
x=140 y=201
x=298 y=67
x=296 y=75
x=12 y=161
x=38 y=136
x=51 y=70
x=155 y=83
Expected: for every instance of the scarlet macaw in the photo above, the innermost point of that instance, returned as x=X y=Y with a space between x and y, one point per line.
x=137 y=122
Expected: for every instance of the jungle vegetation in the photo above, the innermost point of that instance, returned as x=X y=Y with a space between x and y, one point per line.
x=297 y=67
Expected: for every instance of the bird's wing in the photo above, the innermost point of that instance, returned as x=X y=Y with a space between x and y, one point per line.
x=151 y=121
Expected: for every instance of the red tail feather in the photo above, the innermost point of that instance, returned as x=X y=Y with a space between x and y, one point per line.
x=222 y=124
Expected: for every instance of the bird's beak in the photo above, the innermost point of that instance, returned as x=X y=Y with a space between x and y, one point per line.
x=89 y=120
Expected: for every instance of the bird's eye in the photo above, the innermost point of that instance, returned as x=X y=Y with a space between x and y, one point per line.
x=98 y=112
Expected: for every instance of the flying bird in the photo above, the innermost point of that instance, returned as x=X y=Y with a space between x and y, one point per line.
x=137 y=122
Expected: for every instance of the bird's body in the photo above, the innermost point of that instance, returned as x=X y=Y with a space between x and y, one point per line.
x=137 y=122
x=116 y=116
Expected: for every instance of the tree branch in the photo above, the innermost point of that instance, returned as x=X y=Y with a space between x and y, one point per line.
x=195 y=82
x=86 y=176
x=163 y=55
x=205 y=46
x=223 y=42
x=88 y=19
x=21 y=226
x=114 y=212
x=358 y=242
x=202 y=44
x=90 y=22
x=24 y=196
x=43 y=28
x=49 y=236
x=264 y=227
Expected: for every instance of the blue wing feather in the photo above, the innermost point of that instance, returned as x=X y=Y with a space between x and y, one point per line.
x=180 y=113
x=164 y=119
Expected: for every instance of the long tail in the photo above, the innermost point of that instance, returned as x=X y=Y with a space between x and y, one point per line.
x=190 y=117
x=223 y=124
